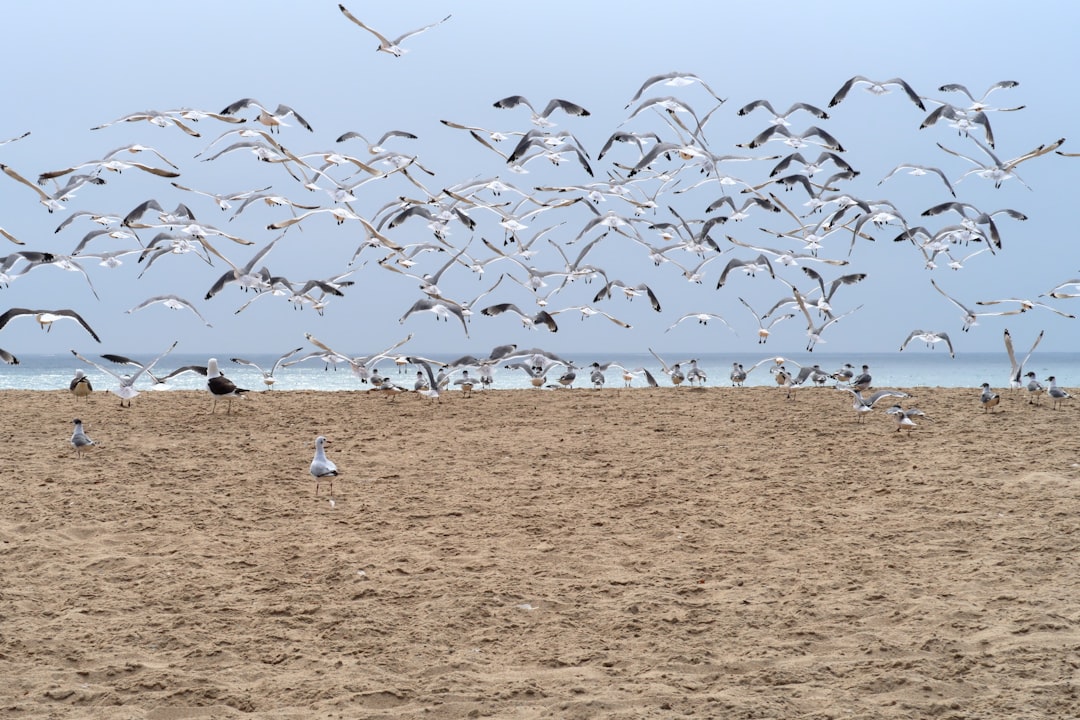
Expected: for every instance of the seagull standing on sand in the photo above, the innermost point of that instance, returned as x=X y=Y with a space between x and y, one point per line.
x=126 y=389
x=80 y=385
x=862 y=381
x=322 y=468
x=79 y=439
x=863 y=405
x=1058 y=395
x=738 y=375
x=220 y=386
x=1034 y=388
x=903 y=417
x=989 y=398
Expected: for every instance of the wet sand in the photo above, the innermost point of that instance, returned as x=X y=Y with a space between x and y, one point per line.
x=717 y=552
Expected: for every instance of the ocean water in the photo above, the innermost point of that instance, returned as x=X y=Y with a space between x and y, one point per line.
x=930 y=368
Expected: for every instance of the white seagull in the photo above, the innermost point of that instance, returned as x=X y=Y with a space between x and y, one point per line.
x=1058 y=395
x=46 y=318
x=173 y=302
x=322 y=468
x=386 y=45
x=268 y=375
x=220 y=386
x=79 y=439
x=126 y=388
x=988 y=398
x=1016 y=368
x=930 y=338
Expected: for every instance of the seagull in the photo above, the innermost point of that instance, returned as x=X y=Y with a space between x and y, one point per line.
x=675 y=79
x=778 y=117
x=322 y=468
x=173 y=302
x=392 y=47
x=442 y=309
x=540 y=119
x=1000 y=171
x=844 y=374
x=1018 y=367
x=1024 y=306
x=764 y=330
x=630 y=291
x=813 y=332
x=861 y=381
x=273 y=120
x=79 y=439
x=675 y=372
x=750 y=267
x=530 y=321
x=877 y=87
x=51 y=202
x=80 y=385
x=930 y=338
x=738 y=375
x=126 y=389
x=979 y=103
x=970 y=317
x=863 y=405
x=1034 y=388
x=268 y=375
x=903 y=417
x=432 y=390
x=795 y=140
x=220 y=386
x=46 y=318
x=919 y=170
x=1058 y=395
x=988 y=398
x=703 y=318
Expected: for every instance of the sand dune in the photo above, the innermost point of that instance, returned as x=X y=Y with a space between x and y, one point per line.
x=718 y=552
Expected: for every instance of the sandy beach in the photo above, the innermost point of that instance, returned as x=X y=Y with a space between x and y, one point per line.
x=714 y=553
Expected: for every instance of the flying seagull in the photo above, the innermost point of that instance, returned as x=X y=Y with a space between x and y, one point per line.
x=386 y=45
x=46 y=318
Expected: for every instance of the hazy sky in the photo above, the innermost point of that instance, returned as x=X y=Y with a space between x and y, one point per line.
x=72 y=66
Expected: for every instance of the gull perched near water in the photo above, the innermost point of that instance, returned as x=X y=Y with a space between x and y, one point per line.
x=1058 y=395
x=1034 y=388
x=1017 y=368
x=220 y=386
x=126 y=388
x=988 y=398
x=322 y=468
x=80 y=385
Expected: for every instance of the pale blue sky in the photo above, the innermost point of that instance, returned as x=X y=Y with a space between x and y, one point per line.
x=71 y=66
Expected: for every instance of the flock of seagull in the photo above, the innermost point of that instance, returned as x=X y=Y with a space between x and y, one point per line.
x=792 y=221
